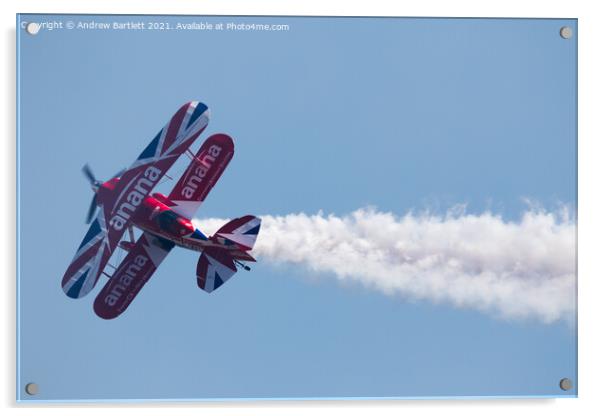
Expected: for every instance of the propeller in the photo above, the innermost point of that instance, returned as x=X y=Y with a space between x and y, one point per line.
x=95 y=184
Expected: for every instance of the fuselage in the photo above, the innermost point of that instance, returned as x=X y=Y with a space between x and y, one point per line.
x=155 y=216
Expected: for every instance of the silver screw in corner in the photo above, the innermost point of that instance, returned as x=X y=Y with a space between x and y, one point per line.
x=566 y=32
x=31 y=389
x=566 y=384
x=32 y=28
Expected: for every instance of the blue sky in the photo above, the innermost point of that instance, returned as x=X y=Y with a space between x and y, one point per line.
x=334 y=115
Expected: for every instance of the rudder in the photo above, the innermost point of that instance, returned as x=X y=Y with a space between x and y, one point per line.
x=241 y=231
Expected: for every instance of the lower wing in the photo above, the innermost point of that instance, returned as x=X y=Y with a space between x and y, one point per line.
x=131 y=275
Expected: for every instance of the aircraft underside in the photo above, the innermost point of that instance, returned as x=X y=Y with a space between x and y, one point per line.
x=125 y=201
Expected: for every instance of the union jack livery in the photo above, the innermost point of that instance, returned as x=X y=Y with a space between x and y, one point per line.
x=125 y=201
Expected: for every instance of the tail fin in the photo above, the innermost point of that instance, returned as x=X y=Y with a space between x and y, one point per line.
x=241 y=231
x=217 y=265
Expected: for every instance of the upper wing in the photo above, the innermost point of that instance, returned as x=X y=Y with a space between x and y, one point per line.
x=131 y=275
x=202 y=174
x=89 y=261
x=117 y=207
x=152 y=164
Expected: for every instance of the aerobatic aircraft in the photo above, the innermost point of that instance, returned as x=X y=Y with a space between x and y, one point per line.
x=126 y=201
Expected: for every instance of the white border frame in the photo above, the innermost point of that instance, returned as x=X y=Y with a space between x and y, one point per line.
x=589 y=199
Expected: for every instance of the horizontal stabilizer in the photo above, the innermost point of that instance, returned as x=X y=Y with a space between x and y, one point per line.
x=214 y=268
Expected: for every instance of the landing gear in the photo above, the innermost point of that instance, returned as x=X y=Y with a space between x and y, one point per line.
x=244 y=266
x=128 y=245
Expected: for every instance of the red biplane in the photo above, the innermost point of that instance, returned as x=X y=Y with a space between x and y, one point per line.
x=125 y=201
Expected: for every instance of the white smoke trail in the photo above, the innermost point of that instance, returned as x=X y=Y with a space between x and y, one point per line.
x=523 y=269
